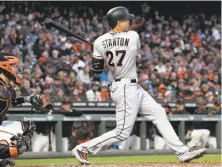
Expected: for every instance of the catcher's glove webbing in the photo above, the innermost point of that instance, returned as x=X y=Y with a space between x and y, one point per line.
x=40 y=102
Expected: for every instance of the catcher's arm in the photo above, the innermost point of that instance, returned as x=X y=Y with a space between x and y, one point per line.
x=38 y=101
x=22 y=142
x=19 y=143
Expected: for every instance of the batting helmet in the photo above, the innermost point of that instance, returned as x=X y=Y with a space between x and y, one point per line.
x=118 y=13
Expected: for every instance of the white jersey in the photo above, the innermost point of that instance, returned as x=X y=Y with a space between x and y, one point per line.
x=120 y=50
x=9 y=129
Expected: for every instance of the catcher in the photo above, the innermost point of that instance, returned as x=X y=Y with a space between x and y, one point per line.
x=15 y=136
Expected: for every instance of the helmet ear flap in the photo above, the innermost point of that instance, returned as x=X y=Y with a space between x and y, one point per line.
x=113 y=24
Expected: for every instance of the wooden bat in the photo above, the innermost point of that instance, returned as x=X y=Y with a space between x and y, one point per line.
x=50 y=22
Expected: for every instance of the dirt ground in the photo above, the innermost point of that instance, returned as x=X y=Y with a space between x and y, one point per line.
x=139 y=165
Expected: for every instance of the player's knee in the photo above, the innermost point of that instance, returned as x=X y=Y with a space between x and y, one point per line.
x=123 y=133
x=160 y=114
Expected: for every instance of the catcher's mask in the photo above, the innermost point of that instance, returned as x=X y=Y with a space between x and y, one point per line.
x=9 y=66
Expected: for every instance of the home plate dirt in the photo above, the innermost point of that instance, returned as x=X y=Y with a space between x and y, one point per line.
x=193 y=164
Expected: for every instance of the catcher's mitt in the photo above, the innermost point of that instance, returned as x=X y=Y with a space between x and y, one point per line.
x=40 y=102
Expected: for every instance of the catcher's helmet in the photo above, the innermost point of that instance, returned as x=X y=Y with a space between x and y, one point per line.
x=6 y=60
x=116 y=14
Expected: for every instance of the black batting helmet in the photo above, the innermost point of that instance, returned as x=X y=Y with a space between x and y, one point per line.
x=116 y=14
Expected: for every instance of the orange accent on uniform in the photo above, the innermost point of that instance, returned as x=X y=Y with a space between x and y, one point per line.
x=12 y=150
x=6 y=65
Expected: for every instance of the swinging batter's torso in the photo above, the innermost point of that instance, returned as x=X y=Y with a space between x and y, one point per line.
x=119 y=50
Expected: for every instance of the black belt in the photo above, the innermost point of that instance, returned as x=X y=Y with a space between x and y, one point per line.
x=131 y=81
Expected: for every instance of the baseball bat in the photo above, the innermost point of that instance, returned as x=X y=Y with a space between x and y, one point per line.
x=64 y=29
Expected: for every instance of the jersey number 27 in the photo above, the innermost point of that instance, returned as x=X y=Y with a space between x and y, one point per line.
x=117 y=59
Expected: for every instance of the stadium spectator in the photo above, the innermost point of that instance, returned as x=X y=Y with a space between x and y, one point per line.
x=93 y=94
x=75 y=96
x=168 y=110
x=84 y=77
x=25 y=87
x=66 y=106
x=180 y=107
x=202 y=108
x=215 y=109
x=104 y=92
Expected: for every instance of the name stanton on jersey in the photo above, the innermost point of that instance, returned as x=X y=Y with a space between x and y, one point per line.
x=115 y=42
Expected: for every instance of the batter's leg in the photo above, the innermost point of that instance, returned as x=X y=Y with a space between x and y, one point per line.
x=124 y=96
x=156 y=113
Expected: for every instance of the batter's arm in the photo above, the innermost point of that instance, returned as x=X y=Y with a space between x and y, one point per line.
x=97 y=58
x=97 y=64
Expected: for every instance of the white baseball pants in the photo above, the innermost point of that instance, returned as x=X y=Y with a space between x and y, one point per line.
x=9 y=129
x=40 y=143
x=199 y=137
x=131 y=99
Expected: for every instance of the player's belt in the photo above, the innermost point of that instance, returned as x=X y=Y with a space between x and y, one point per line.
x=131 y=81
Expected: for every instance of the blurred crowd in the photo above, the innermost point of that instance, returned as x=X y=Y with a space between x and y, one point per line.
x=180 y=60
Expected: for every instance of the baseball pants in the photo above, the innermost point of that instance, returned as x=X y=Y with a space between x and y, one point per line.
x=40 y=143
x=9 y=129
x=131 y=99
x=199 y=138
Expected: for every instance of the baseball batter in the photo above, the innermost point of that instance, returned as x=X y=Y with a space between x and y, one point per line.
x=119 y=48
